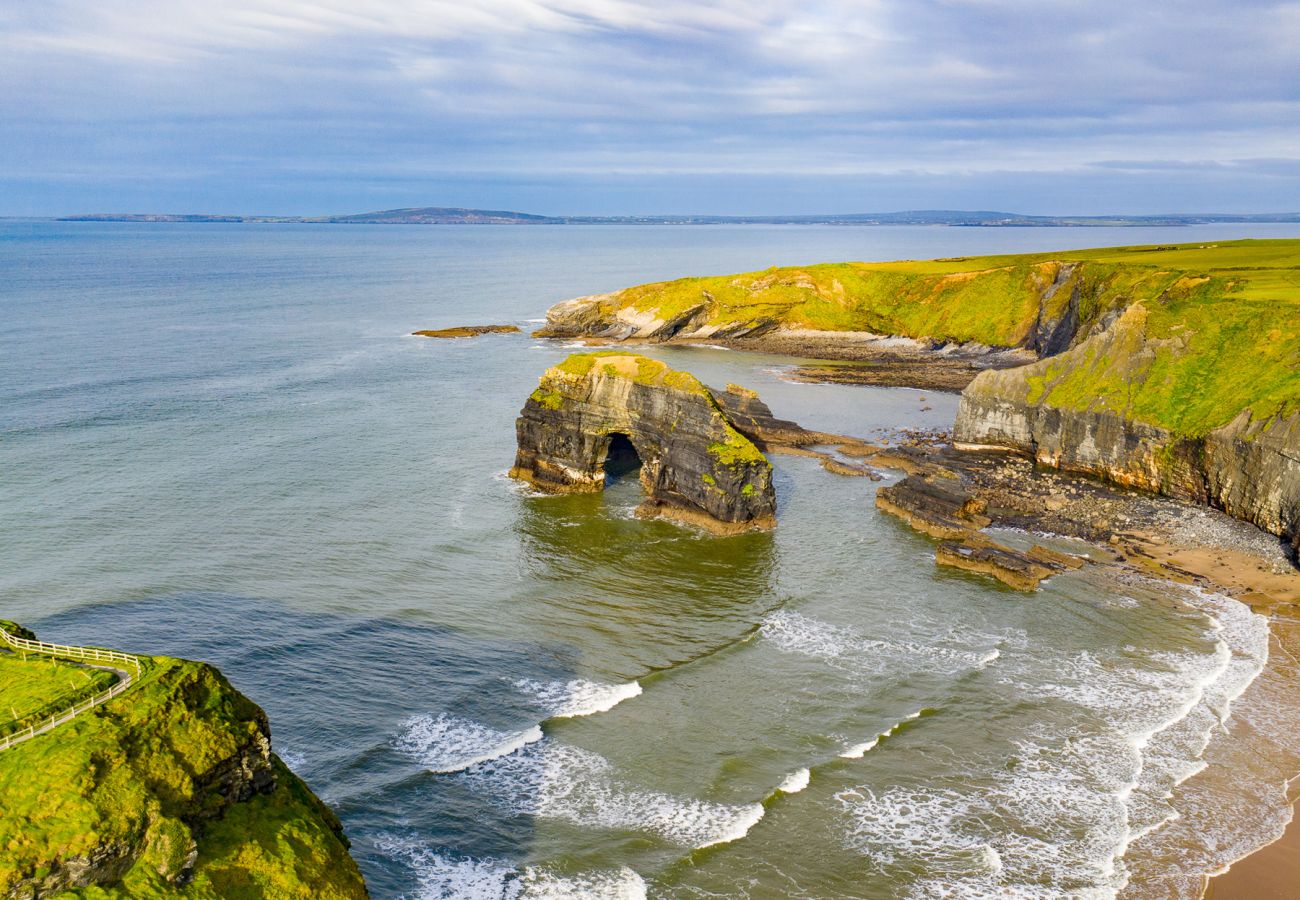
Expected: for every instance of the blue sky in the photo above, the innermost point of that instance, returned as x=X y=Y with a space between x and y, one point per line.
x=662 y=106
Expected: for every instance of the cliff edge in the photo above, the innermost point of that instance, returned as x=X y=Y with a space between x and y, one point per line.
x=168 y=790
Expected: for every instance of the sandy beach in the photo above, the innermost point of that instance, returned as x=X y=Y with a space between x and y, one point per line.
x=1271 y=873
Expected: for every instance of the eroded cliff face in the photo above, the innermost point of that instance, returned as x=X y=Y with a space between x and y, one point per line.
x=170 y=789
x=1077 y=413
x=606 y=413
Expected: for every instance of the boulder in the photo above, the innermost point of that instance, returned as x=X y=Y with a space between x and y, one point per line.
x=600 y=415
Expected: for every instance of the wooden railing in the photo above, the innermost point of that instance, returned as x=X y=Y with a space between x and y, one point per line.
x=123 y=663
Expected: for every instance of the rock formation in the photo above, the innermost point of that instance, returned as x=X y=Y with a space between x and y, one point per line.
x=938 y=503
x=1076 y=413
x=597 y=415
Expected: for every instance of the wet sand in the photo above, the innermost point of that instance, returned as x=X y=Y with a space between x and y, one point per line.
x=1270 y=873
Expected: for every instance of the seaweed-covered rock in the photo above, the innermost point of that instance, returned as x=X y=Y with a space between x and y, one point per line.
x=601 y=414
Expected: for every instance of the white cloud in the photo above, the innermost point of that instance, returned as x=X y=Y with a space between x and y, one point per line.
x=618 y=86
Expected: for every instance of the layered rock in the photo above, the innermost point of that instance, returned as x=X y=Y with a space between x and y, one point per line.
x=940 y=504
x=602 y=414
x=1078 y=413
x=1021 y=570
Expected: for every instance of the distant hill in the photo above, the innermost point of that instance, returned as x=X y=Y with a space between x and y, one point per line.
x=443 y=215
x=422 y=215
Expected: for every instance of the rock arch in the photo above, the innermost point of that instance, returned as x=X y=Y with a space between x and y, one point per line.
x=694 y=464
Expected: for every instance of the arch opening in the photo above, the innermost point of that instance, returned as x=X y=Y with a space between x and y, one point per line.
x=621 y=457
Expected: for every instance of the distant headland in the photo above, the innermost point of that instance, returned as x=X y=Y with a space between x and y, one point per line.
x=441 y=215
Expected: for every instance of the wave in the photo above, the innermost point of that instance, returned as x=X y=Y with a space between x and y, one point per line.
x=1070 y=801
x=857 y=751
x=577 y=697
x=794 y=632
x=444 y=876
x=445 y=744
x=795 y=782
x=557 y=781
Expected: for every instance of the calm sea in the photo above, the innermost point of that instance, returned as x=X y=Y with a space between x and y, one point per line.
x=217 y=442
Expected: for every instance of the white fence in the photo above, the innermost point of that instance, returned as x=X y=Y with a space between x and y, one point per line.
x=123 y=662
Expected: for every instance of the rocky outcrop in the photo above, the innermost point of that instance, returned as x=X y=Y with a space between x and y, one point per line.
x=602 y=414
x=936 y=505
x=1249 y=467
x=464 y=331
x=173 y=784
x=940 y=503
x=1021 y=570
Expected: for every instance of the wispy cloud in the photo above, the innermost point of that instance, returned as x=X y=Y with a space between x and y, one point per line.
x=245 y=91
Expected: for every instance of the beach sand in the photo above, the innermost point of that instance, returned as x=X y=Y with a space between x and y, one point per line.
x=1271 y=873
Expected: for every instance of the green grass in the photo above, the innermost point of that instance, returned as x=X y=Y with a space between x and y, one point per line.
x=36 y=686
x=133 y=774
x=1218 y=330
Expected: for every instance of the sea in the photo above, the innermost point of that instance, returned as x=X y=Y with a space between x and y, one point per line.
x=220 y=442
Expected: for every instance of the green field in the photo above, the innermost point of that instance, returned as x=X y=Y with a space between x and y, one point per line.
x=37 y=686
x=1217 y=331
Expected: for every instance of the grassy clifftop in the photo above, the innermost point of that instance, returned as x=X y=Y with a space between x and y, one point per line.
x=1207 y=330
x=170 y=789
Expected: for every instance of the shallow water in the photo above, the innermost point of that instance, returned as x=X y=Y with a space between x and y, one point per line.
x=218 y=443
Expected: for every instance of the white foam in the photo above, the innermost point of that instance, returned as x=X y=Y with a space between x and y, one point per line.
x=795 y=782
x=294 y=759
x=551 y=780
x=445 y=743
x=1059 y=816
x=793 y=632
x=442 y=876
x=578 y=697
x=857 y=751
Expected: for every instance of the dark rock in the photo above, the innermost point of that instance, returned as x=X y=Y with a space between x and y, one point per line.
x=1022 y=571
x=602 y=414
x=753 y=418
x=935 y=505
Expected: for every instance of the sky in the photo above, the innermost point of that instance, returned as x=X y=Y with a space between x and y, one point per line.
x=603 y=107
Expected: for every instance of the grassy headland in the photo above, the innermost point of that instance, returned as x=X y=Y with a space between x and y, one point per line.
x=1207 y=329
x=169 y=789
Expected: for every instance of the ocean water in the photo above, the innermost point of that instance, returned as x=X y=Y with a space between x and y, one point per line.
x=218 y=442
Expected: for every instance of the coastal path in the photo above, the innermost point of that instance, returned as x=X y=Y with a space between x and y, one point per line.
x=127 y=667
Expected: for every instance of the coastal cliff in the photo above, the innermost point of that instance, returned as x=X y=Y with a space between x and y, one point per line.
x=601 y=414
x=169 y=789
x=1173 y=369
x=1129 y=405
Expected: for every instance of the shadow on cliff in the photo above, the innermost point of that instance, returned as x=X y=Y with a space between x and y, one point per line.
x=345 y=695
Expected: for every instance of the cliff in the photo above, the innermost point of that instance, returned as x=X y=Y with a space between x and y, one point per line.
x=1035 y=303
x=1173 y=369
x=601 y=414
x=1195 y=396
x=169 y=789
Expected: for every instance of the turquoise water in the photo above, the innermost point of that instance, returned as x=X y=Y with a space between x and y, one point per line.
x=218 y=442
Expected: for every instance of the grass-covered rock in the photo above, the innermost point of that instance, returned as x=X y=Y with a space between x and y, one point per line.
x=170 y=789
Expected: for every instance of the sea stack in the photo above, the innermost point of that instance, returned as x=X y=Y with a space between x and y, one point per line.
x=600 y=415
